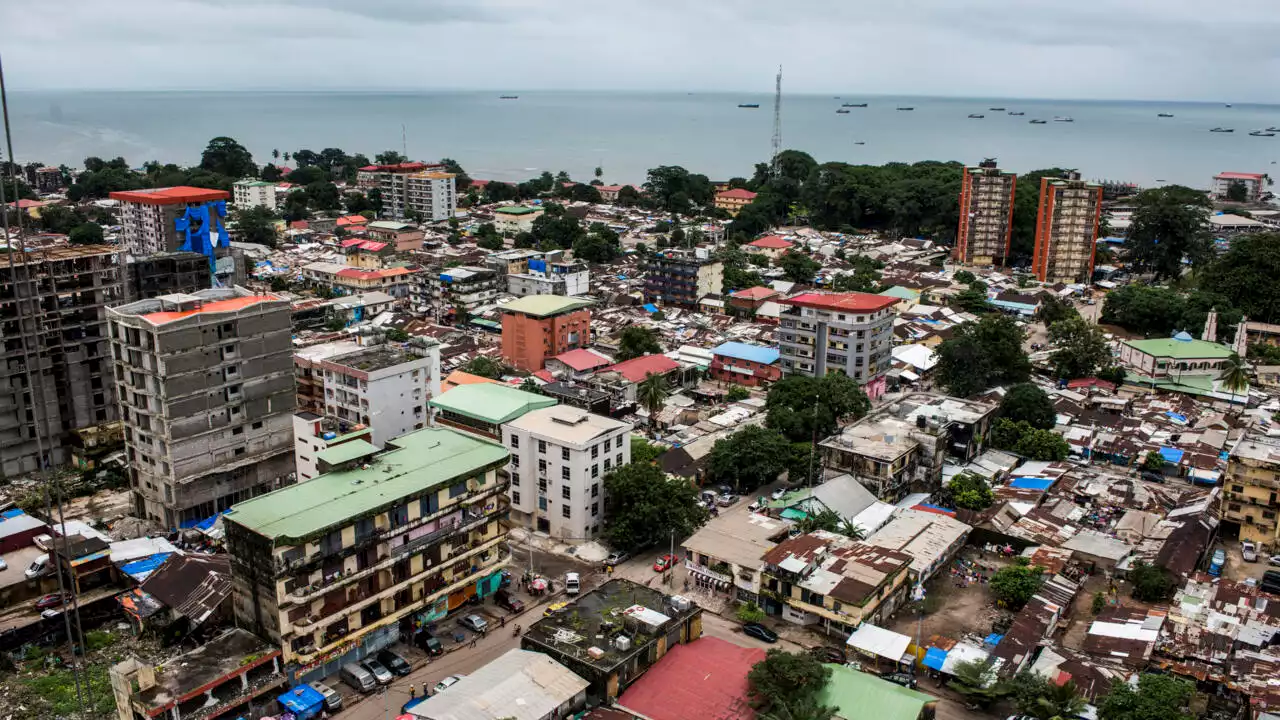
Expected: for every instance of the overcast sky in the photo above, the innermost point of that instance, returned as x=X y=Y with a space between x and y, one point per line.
x=1140 y=49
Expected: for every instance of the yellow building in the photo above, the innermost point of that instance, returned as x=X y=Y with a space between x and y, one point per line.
x=732 y=201
x=1251 y=487
x=831 y=581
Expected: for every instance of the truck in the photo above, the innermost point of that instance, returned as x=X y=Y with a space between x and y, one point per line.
x=572 y=584
x=1217 y=562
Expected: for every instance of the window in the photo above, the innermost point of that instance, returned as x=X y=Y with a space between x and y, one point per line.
x=458 y=489
x=564 y=492
x=542 y=446
x=607 y=462
x=564 y=453
x=595 y=509
x=1237 y=488
x=257 y=425
x=564 y=473
x=618 y=460
x=542 y=465
x=428 y=504
x=237 y=430
x=565 y=511
x=595 y=471
x=515 y=479
x=595 y=490
x=595 y=451
x=542 y=503
x=515 y=461
x=515 y=441
x=515 y=496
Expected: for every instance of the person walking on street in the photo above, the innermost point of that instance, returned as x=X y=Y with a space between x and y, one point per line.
x=412 y=693
x=502 y=621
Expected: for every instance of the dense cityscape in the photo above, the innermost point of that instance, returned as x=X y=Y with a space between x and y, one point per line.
x=320 y=435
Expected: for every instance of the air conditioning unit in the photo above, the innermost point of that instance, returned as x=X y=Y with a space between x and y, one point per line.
x=622 y=642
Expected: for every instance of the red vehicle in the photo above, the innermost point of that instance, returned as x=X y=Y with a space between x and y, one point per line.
x=52 y=600
x=664 y=563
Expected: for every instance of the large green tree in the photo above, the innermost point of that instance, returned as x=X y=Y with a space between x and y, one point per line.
x=1245 y=275
x=1151 y=583
x=88 y=233
x=977 y=682
x=676 y=191
x=1157 y=697
x=645 y=507
x=323 y=195
x=652 y=393
x=1039 y=699
x=555 y=229
x=254 y=225
x=798 y=405
x=636 y=341
x=784 y=678
x=1023 y=439
x=864 y=276
x=1027 y=402
x=980 y=355
x=798 y=267
x=970 y=491
x=225 y=156
x=599 y=245
x=1080 y=349
x=1169 y=224
x=1015 y=585
x=752 y=457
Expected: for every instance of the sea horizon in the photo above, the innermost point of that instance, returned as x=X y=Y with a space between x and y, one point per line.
x=627 y=132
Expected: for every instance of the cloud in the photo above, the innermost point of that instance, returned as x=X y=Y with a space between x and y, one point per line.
x=1173 y=49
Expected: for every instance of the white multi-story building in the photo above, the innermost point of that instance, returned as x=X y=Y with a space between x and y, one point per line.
x=559 y=457
x=551 y=278
x=432 y=194
x=384 y=387
x=313 y=434
x=849 y=332
x=1254 y=183
x=254 y=193
x=147 y=217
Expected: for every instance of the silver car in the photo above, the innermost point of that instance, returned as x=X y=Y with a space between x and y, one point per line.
x=475 y=623
x=380 y=672
x=447 y=683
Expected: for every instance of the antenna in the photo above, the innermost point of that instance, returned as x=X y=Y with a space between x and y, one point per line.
x=777 y=122
x=404 y=142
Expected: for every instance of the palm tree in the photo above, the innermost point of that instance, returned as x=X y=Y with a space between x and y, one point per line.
x=286 y=157
x=275 y=154
x=1058 y=701
x=652 y=393
x=530 y=386
x=805 y=708
x=1235 y=376
x=599 y=172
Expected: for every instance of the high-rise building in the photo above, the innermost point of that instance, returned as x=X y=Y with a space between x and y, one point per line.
x=370 y=176
x=986 y=214
x=1251 y=489
x=457 y=289
x=254 y=193
x=385 y=387
x=433 y=195
x=1066 y=229
x=537 y=327
x=682 y=277
x=820 y=333
x=165 y=274
x=337 y=566
x=206 y=390
x=147 y=217
x=56 y=375
x=559 y=457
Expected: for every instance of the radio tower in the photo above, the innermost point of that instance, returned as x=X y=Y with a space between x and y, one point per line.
x=777 y=123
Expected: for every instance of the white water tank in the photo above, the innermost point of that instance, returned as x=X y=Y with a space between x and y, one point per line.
x=622 y=642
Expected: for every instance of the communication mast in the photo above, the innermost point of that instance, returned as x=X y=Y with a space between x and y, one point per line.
x=777 y=122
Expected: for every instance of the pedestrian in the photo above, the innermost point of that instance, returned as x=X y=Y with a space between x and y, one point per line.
x=473 y=643
x=412 y=693
x=502 y=621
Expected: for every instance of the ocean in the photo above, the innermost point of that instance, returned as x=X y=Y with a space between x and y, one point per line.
x=627 y=133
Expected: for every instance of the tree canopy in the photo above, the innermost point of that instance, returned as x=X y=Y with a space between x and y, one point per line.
x=784 y=678
x=645 y=507
x=798 y=267
x=798 y=405
x=970 y=491
x=1039 y=699
x=1014 y=585
x=752 y=457
x=1080 y=349
x=981 y=355
x=864 y=276
x=1151 y=583
x=1026 y=402
x=599 y=245
x=675 y=190
x=636 y=341
x=87 y=233
x=1023 y=439
x=1169 y=224
x=1157 y=697
x=1158 y=311
x=1245 y=276
x=484 y=367
x=225 y=156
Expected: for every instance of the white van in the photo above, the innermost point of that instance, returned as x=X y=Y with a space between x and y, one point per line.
x=38 y=567
x=572 y=585
x=358 y=678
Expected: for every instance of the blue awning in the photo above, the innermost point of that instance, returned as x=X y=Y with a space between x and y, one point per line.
x=650 y=308
x=303 y=701
x=1181 y=419
x=1031 y=483
x=935 y=658
x=1173 y=455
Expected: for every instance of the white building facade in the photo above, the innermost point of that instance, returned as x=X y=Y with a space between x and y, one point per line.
x=433 y=194
x=254 y=193
x=384 y=387
x=544 y=278
x=559 y=458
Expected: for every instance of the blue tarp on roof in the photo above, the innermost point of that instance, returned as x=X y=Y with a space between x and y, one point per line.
x=1031 y=483
x=934 y=658
x=650 y=308
x=142 y=568
x=303 y=701
x=11 y=514
x=752 y=353
x=208 y=522
x=1182 y=419
x=993 y=639
x=1173 y=455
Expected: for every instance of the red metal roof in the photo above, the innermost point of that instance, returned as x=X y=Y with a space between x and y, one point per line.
x=1239 y=176
x=704 y=679
x=857 y=302
x=736 y=194
x=637 y=369
x=170 y=195
x=358 y=273
x=758 y=292
x=227 y=305
x=351 y=242
x=581 y=360
x=772 y=242
x=352 y=220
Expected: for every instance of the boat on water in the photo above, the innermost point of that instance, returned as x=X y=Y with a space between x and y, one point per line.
x=1273 y=129
x=1016 y=113
x=996 y=109
x=748 y=105
x=508 y=97
x=1228 y=104
x=1164 y=115
x=1064 y=118
x=1222 y=129
x=1262 y=133
x=841 y=111
x=854 y=105
x=860 y=142
x=906 y=109
x=1039 y=122
x=976 y=116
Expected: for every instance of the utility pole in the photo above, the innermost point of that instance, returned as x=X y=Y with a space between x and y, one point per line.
x=777 y=123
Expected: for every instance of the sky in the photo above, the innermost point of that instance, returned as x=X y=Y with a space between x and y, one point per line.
x=1105 y=49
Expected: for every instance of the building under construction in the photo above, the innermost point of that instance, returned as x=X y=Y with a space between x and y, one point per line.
x=206 y=392
x=56 y=376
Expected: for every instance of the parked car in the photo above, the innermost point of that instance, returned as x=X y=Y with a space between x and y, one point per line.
x=475 y=623
x=727 y=500
x=779 y=493
x=725 y=490
x=617 y=557
x=395 y=663
x=430 y=644
x=829 y=654
x=900 y=678
x=38 y=567
x=447 y=683
x=1274 y=559
x=760 y=632
x=664 y=563
x=52 y=600
x=332 y=698
x=379 y=671
x=508 y=601
x=1249 y=551
x=572 y=583
x=358 y=678
x=554 y=608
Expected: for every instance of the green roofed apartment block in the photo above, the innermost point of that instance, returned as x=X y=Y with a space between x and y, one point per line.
x=515 y=218
x=857 y=695
x=483 y=407
x=373 y=550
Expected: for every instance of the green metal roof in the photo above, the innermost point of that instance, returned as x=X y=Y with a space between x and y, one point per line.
x=862 y=696
x=421 y=460
x=254 y=183
x=900 y=292
x=1181 y=349
x=516 y=210
x=493 y=403
x=346 y=452
x=545 y=305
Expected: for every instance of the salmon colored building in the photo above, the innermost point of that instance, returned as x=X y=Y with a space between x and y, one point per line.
x=1066 y=229
x=537 y=327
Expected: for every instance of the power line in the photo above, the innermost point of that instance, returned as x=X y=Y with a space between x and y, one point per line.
x=777 y=123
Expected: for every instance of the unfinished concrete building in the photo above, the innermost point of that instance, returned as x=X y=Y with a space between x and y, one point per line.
x=165 y=274
x=56 y=376
x=206 y=391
